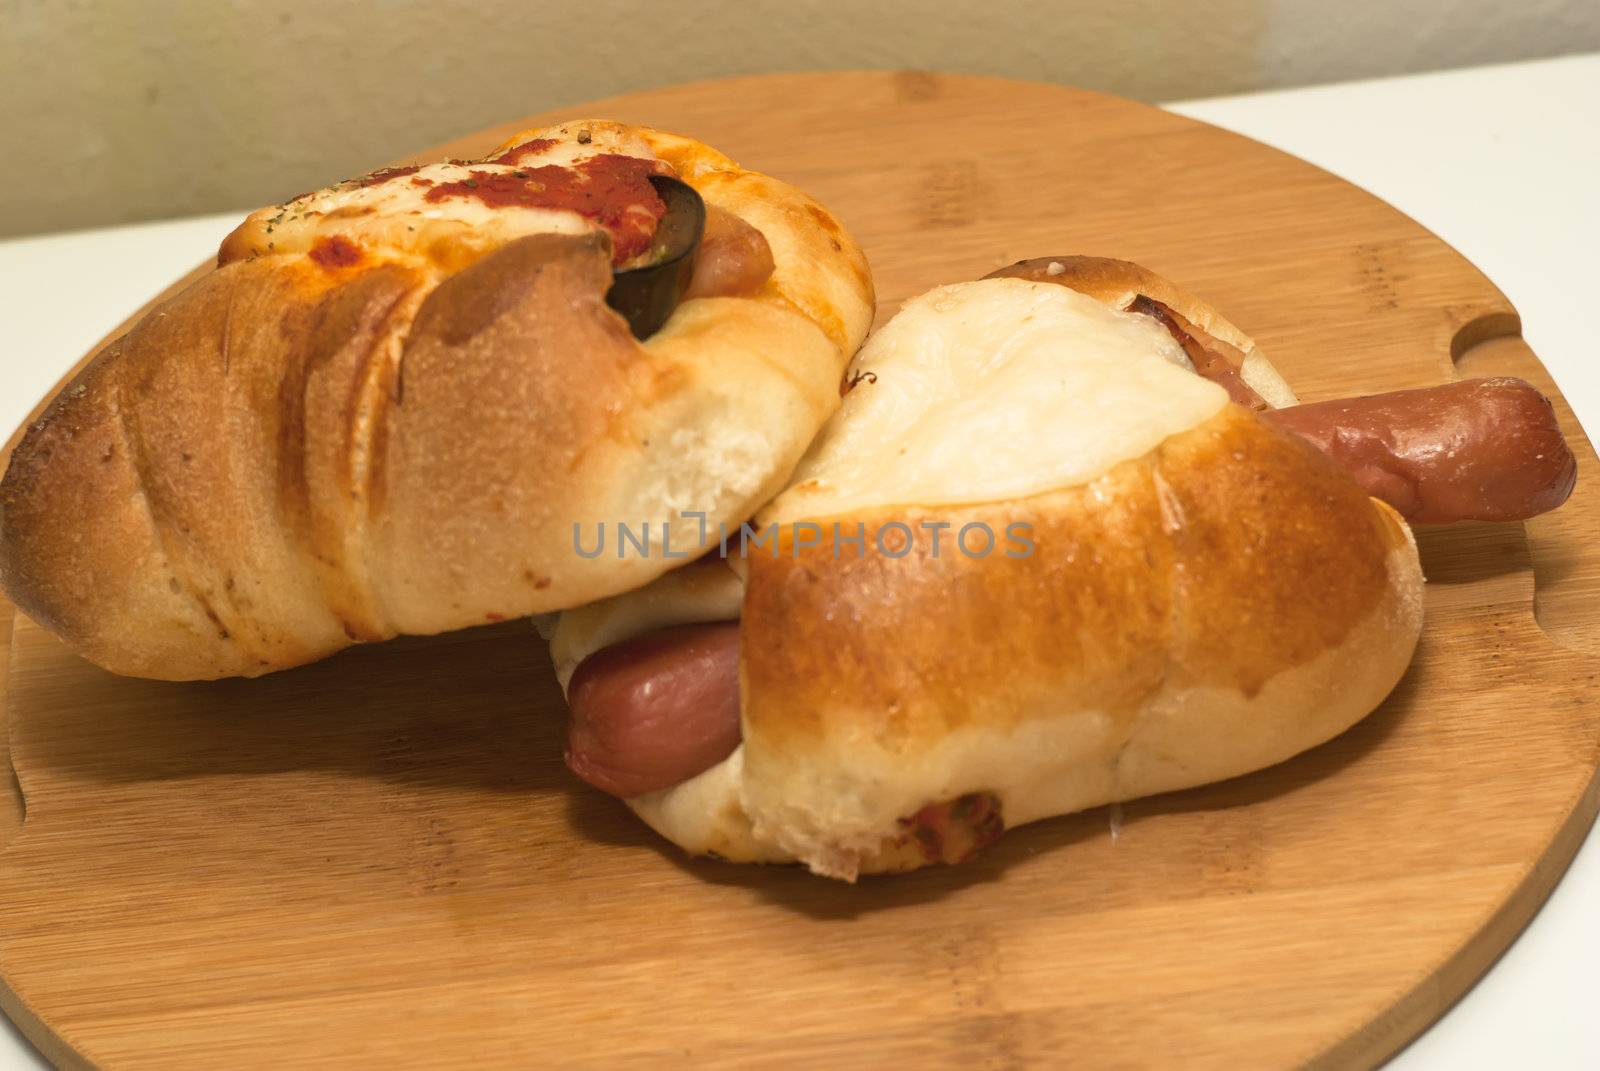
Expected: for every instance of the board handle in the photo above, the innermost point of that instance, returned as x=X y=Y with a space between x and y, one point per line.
x=1561 y=549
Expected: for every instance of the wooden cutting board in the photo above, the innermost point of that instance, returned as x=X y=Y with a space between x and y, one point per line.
x=380 y=860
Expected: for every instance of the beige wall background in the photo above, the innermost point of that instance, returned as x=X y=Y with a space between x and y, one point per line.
x=123 y=110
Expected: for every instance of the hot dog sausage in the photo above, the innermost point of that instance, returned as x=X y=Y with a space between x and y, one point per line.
x=1480 y=449
x=655 y=710
x=733 y=260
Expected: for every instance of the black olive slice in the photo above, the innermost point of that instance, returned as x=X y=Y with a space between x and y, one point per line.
x=646 y=296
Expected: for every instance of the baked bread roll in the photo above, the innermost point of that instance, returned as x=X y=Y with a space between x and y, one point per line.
x=390 y=404
x=1203 y=593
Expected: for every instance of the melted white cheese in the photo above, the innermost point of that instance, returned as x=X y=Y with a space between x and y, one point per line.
x=995 y=389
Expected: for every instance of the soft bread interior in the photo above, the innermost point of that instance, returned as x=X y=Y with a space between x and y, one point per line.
x=1264 y=379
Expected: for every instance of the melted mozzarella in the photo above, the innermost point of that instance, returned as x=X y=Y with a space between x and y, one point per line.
x=994 y=389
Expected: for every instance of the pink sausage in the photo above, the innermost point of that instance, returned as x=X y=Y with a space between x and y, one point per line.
x=656 y=710
x=1480 y=449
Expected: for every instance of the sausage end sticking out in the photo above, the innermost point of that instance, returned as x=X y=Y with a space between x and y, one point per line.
x=1480 y=449
x=656 y=710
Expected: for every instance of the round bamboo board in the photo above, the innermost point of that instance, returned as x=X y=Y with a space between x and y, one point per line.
x=380 y=860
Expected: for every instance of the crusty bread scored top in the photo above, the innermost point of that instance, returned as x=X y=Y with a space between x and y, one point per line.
x=325 y=441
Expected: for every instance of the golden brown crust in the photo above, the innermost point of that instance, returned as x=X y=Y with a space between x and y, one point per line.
x=482 y=448
x=320 y=446
x=1231 y=554
x=1278 y=553
x=172 y=507
x=1182 y=619
x=1107 y=280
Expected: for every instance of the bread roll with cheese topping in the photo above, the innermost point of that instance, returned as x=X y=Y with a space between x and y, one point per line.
x=1204 y=593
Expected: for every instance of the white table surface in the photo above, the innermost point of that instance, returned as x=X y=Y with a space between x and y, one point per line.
x=1499 y=161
